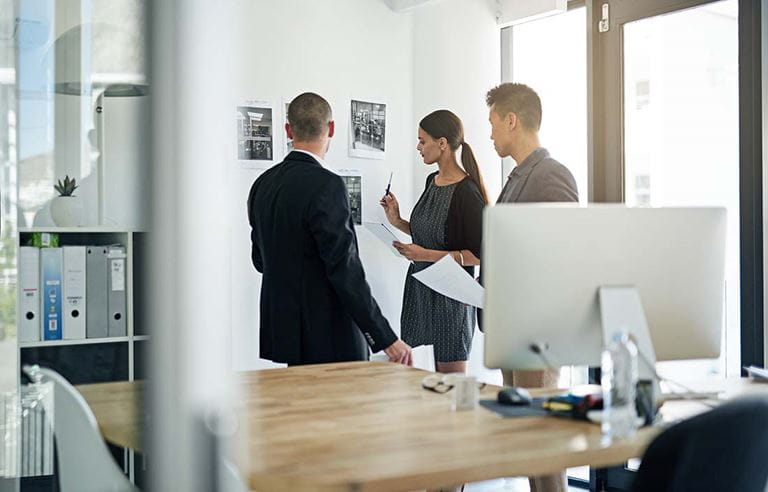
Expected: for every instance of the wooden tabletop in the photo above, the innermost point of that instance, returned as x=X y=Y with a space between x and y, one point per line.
x=370 y=426
x=118 y=408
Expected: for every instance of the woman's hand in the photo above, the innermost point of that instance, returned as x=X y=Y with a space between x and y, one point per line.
x=412 y=252
x=391 y=208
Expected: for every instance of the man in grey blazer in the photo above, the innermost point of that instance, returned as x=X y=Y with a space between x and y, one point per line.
x=515 y=117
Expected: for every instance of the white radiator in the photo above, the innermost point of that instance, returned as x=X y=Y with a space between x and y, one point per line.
x=26 y=432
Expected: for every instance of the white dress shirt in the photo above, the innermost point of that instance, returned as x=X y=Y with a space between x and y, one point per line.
x=317 y=158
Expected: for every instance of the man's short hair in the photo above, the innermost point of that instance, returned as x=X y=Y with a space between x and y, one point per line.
x=519 y=99
x=309 y=115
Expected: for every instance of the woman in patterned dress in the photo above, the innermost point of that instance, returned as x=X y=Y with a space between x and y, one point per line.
x=447 y=220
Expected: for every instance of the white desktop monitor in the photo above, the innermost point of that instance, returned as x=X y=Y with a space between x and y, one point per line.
x=543 y=266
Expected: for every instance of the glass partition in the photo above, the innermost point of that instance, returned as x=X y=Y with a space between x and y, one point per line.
x=74 y=168
x=9 y=396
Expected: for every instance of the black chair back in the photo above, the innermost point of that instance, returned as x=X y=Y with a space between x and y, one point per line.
x=721 y=450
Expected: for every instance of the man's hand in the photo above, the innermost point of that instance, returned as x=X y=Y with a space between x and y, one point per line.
x=399 y=352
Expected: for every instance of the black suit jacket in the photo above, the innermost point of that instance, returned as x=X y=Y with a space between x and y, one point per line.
x=316 y=305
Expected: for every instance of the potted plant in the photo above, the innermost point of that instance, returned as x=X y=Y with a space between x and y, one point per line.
x=66 y=209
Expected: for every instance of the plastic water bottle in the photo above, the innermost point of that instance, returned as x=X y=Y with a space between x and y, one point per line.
x=619 y=382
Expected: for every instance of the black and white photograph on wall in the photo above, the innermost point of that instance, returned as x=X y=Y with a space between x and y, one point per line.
x=354 y=183
x=255 y=134
x=368 y=124
x=288 y=141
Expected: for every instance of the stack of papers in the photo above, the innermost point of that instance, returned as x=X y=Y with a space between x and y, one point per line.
x=445 y=277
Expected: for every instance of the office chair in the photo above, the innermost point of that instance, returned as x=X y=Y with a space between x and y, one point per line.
x=723 y=449
x=85 y=464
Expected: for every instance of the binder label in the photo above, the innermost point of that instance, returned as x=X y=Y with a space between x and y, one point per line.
x=51 y=260
x=74 y=292
x=118 y=275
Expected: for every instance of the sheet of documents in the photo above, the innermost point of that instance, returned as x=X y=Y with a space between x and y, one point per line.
x=386 y=235
x=446 y=277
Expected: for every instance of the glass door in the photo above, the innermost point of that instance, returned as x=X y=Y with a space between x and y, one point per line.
x=668 y=132
x=681 y=135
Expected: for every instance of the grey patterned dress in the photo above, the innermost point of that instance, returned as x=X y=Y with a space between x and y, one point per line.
x=429 y=318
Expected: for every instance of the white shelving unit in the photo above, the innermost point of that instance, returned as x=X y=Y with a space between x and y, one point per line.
x=80 y=230
x=84 y=341
x=100 y=235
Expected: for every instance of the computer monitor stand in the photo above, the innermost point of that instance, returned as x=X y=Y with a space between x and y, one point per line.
x=621 y=309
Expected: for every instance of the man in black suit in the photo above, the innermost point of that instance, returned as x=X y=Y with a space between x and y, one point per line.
x=316 y=305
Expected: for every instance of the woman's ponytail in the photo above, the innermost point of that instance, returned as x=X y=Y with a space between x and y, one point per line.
x=469 y=163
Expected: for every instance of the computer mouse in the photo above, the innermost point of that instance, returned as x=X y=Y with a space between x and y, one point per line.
x=514 y=396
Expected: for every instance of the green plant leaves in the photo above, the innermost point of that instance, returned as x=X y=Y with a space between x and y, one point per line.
x=66 y=187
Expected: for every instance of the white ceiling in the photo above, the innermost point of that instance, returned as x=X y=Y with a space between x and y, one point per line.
x=404 y=5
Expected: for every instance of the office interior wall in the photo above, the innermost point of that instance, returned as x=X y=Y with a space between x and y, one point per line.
x=457 y=58
x=341 y=49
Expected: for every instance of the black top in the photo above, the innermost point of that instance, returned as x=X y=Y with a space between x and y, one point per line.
x=446 y=218
x=465 y=216
x=316 y=305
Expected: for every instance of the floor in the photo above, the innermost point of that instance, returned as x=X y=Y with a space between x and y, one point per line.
x=517 y=484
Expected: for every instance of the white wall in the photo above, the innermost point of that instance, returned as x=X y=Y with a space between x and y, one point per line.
x=457 y=58
x=339 y=49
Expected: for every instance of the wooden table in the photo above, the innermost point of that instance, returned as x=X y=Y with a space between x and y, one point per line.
x=118 y=408
x=370 y=426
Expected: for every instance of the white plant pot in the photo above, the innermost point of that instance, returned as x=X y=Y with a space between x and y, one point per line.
x=67 y=211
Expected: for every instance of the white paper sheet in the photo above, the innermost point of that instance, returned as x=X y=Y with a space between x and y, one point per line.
x=386 y=235
x=446 y=277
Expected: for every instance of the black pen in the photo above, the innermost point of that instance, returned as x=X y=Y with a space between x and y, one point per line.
x=389 y=184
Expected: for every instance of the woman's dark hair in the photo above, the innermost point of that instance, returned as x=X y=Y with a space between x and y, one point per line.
x=444 y=124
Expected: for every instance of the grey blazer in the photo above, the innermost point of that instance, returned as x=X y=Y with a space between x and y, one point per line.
x=539 y=178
